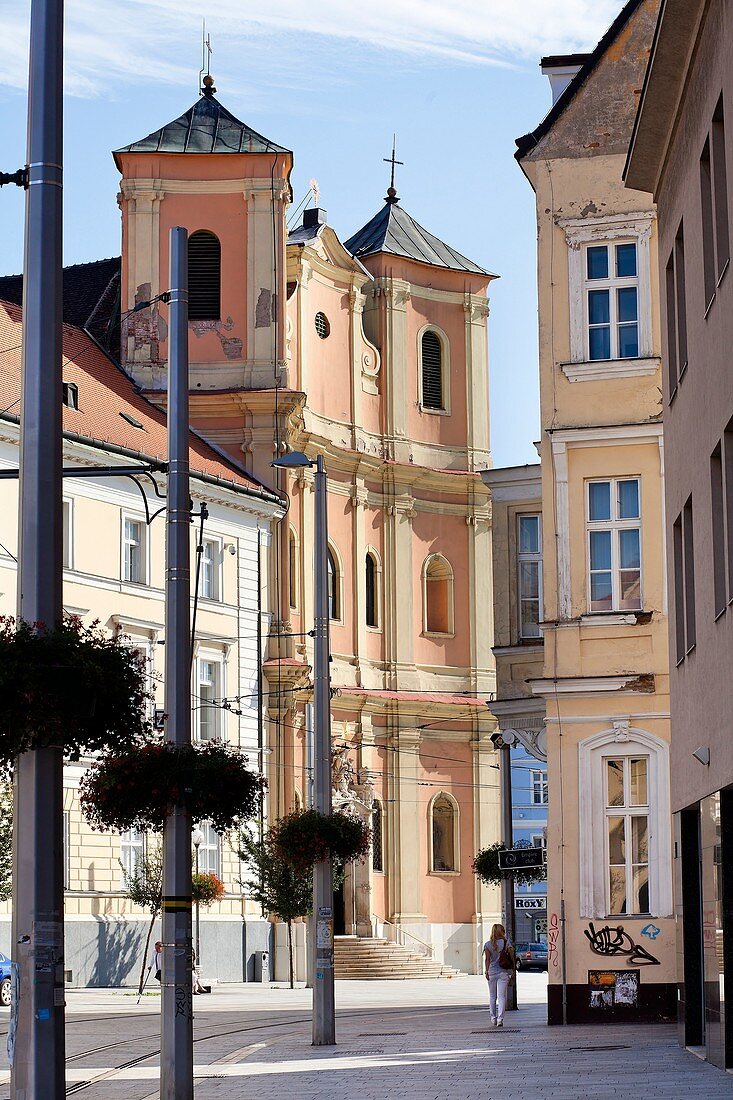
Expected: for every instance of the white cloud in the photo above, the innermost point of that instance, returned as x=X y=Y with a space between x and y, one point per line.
x=113 y=42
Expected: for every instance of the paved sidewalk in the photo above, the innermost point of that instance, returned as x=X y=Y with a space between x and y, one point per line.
x=425 y=1040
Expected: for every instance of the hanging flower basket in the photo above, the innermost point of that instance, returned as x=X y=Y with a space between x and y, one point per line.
x=206 y=888
x=72 y=687
x=135 y=789
x=486 y=866
x=306 y=837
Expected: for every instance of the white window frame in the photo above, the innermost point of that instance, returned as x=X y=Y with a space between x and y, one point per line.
x=538 y=779
x=625 y=811
x=135 y=841
x=135 y=517
x=216 y=561
x=614 y=525
x=207 y=847
x=68 y=535
x=444 y=371
x=630 y=228
x=612 y=283
x=456 y=869
x=377 y=627
x=216 y=714
x=523 y=557
x=542 y=838
x=623 y=740
x=450 y=580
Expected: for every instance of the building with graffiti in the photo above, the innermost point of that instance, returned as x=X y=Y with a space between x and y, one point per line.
x=605 y=673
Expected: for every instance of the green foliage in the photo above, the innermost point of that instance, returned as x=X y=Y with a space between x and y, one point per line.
x=272 y=881
x=136 y=789
x=144 y=887
x=206 y=888
x=306 y=837
x=486 y=866
x=6 y=841
x=72 y=686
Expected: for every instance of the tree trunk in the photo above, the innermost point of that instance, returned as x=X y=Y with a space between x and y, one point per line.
x=290 y=952
x=145 y=953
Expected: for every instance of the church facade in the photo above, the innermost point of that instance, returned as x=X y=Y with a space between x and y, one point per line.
x=371 y=352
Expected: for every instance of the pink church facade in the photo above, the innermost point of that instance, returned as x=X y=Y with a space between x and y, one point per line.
x=372 y=353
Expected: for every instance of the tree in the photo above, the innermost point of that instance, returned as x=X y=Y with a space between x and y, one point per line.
x=6 y=841
x=144 y=887
x=275 y=885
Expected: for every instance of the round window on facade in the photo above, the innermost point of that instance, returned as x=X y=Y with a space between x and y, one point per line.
x=322 y=326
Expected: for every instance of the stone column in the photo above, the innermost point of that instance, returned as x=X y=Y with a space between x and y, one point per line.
x=407 y=868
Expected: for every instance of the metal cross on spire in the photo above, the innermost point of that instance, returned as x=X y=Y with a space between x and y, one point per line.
x=208 y=88
x=391 y=192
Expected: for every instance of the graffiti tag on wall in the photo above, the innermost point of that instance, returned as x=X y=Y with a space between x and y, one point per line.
x=553 y=935
x=613 y=942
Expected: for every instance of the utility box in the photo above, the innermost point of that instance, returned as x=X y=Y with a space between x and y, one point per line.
x=262 y=966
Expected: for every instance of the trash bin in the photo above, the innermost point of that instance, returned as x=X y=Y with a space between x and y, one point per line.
x=262 y=966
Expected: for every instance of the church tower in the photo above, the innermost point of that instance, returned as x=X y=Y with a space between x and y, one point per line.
x=229 y=187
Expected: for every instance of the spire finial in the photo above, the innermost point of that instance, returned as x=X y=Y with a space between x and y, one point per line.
x=391 y=191
x=207 y=88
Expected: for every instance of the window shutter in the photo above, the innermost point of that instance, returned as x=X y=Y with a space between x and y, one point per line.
x=432 y=372
x=204 y=277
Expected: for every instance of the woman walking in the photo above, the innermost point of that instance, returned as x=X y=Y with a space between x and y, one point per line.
x=499 y=967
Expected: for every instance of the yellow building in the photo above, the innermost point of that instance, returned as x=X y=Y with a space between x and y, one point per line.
x=611 y=931
x=114 y=572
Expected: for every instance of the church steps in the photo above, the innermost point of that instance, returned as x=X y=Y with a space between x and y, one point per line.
x=373 y=959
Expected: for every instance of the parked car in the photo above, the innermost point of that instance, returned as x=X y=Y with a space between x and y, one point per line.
x=531 y=955
x=5 y=982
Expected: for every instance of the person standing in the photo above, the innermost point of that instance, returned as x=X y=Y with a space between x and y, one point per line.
x=499 y=967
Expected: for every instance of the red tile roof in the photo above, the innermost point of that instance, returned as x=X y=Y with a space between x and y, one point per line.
x=105 y=393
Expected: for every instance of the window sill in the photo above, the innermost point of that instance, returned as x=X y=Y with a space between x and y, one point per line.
x=374 y=629
x=438 y=634
x=432 y=412
x=708 y=307
x=612 y=618
x=447 y=874
x=722 y=275
x=601 y=370
x=720 y=614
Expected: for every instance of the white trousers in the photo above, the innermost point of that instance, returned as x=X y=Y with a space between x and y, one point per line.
x=497 y=993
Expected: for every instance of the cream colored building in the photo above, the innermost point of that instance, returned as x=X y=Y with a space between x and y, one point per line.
x=605 y=679
x=114 y=564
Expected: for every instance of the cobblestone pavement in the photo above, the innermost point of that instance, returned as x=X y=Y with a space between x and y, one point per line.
x=420 y=1039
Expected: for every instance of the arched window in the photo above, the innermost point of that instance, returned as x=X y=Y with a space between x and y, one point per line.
x=204 y=276
x=297 y=800
x=372 y=593
x=432 y=371
x=438 y=596
x=444 y=833
x=334 y=587
x=293 y=567
x=377 y=834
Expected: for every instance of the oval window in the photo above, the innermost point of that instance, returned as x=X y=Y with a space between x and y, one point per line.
x=322 y=326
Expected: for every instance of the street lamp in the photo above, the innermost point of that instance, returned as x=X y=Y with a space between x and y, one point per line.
x=197 y=839
x=324 y=1019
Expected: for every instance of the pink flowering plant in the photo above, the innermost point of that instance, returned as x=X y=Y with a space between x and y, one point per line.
x=71 y=686
x=135 y=789
x=207 y=888
x=306 y=837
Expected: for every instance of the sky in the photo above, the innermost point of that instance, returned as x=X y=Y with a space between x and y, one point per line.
x=332 y=80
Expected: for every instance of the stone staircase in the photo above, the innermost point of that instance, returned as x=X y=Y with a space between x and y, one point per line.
x=371 y=959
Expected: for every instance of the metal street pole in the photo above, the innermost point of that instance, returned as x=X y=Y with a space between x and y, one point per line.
x=176 y=1058
x=324 y=1019
x=507 y=838
x=37 y=1027
x=196 y=844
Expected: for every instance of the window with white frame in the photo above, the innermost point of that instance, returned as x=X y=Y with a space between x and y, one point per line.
x=539 y=788
x=68 y=534
x=209 y=698
x=529 y=556
x=134 y=550
x=209 y=851
x=612 y=300
x=627 y=834
x=67 y=850
x=211 y=569
x=614 y=544
x=609 y=274
x=539 y=840
x=626 y=864
x=132 y=852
